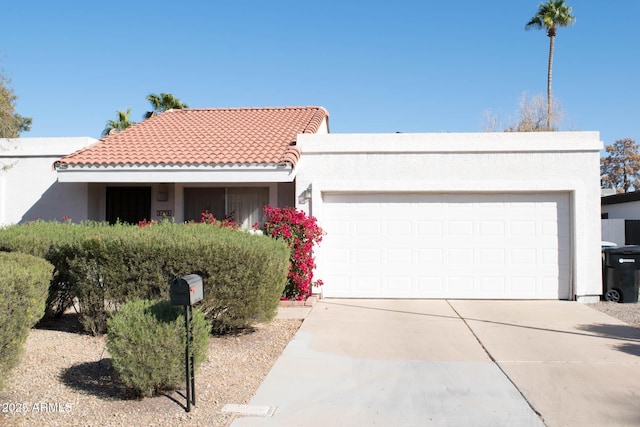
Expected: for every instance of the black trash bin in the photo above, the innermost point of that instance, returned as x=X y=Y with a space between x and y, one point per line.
x=621 y=274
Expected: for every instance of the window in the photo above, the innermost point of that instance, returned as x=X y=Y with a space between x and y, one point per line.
x=244 y=204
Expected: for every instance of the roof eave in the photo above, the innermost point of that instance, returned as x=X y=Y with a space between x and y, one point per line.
x=178 y=174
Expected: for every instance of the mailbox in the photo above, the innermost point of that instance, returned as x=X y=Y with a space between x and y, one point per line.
x=186 y=290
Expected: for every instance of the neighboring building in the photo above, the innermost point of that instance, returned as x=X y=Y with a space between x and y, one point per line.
x=620 y=215
x=29 y=187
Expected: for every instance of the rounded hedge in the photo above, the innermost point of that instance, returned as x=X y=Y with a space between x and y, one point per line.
x=146 y=341
x=24 y=280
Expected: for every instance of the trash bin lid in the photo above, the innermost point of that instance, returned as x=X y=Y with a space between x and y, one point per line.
x=626 y=250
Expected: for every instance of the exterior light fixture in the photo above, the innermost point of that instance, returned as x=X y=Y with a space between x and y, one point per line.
x=305 y=196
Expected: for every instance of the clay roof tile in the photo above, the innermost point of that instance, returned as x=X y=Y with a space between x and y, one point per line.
x=207 y=136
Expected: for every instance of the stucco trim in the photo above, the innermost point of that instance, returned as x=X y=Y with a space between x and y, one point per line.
x=504 y=142
x=196 y=173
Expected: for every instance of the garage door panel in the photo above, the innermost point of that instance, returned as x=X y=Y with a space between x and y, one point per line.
x=522 y=256
x=367 y=228
x=522 y=228
x=399 y=285
x=460 y=228
x=368 y=256
x=492 y=285
x=461 y=286
x=446 y=246
x=428 y=257
x=367 y=284
x=492 y=228
x=339 y=228
x=429 y=286
x=400 y=257
x=429 y=228
x=399 y=228
x=523 y=284
x=337 y=257
x=492 y=256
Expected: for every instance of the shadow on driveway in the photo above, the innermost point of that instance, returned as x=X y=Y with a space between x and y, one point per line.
x=617 y=332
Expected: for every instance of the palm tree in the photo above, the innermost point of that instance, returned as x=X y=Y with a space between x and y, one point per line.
x=121 y=123
x=163 y=102
x=550 y=16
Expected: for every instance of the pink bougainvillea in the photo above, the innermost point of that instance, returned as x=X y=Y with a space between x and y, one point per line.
x=227 y=222
x=301 y=232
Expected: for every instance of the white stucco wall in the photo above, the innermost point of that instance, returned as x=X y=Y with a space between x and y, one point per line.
x=614 y=227
x=29 y=189
x=628 y=210
x=471 y=162
x=613 y=231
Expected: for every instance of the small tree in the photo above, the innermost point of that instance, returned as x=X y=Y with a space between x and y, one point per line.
x=162 y=103
x=12 y=124
x=532 y=117
x=620 y=169
x=159 y=103
x=121 y=123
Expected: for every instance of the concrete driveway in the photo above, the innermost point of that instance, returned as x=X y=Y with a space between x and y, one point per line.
x=453 y=363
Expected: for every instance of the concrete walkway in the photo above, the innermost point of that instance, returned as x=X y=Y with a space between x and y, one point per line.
x=454 y=363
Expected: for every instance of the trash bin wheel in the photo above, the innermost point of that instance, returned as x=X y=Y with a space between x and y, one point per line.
x=613 y=295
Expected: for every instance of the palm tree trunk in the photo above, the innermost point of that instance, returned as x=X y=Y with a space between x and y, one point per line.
x=549 y=72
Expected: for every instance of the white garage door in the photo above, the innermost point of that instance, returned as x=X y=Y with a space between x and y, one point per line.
x=425 y=245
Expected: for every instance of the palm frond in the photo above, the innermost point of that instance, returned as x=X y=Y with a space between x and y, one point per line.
x=550 y=15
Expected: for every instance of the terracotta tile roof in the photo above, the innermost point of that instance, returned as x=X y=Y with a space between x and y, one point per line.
x=206 y=137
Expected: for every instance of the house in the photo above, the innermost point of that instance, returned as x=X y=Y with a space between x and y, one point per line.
x=474 y=215
x=620 y=215
x=178 y=164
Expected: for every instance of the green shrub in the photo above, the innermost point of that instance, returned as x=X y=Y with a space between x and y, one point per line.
x=104 y=266
x=23 y=291
x=244 y=274
x=146 y=341
x=40 y=239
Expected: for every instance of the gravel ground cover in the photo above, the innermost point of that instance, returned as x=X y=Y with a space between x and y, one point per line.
x=628 y=313
x=65 y=379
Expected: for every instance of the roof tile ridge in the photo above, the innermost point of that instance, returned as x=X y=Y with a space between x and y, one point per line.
x=316 y=120
x=266 y=107
x=291 y=155
x=235 y=109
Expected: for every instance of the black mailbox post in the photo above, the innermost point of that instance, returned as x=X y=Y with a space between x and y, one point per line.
x=187 y=291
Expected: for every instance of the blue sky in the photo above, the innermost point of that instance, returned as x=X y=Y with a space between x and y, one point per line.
x=376 y=66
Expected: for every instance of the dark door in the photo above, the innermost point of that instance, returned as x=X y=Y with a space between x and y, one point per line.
x=128 y=204
x=632 y=232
